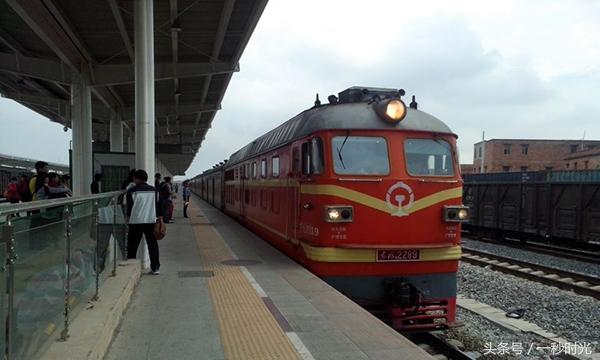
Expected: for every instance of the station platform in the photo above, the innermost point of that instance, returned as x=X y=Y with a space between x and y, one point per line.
x=224 y=293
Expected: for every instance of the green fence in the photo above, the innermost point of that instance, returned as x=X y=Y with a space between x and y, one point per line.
x=54 y=254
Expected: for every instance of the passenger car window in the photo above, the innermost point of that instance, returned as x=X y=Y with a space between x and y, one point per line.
x=428 y=157
x=360 y=155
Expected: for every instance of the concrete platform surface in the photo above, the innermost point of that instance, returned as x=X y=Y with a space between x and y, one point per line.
x=91 y=332
x=265 y=308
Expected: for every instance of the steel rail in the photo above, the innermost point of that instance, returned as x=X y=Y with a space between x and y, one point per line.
x=579 y=283
x=558 y=251
x=440 y=345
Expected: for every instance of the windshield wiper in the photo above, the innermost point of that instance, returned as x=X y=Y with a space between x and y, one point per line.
x=339 y=150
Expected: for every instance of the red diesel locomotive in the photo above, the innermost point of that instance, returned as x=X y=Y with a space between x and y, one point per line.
x=365 y=193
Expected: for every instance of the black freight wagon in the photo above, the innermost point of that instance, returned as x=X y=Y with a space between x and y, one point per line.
x=552 y=205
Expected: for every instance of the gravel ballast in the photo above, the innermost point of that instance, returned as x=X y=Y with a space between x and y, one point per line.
x=533 y=257
x=479 y=334
x=571 y=316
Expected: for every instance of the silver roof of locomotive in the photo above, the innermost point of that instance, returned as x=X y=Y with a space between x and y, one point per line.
x=345 y=116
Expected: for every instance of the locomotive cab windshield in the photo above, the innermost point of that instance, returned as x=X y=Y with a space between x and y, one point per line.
x=428 y=157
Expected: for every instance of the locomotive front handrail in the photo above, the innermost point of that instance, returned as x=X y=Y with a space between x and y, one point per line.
x=360 y=179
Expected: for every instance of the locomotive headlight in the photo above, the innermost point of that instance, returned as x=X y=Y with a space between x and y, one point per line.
x=340 y=213
x=392 y=111
x=395 y=110
x=456 y=213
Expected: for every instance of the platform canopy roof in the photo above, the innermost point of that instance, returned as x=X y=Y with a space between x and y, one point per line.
x=45 y=44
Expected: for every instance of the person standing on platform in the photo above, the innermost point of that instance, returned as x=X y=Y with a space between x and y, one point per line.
x=157 y=181
x=12 y=191
x=65 y=182
x=96 y=185
x=142 y=214
x=165 y=202
x=185 y=193
x=23 y=187
x=55 y=188
x=41 y=167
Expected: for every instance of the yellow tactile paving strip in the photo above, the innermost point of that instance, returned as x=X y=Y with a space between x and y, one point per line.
x=248 y=329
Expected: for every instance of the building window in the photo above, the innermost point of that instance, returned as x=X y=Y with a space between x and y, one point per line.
x=568 y=165
x=506 y=168
x=523 y=168
x=480 y=151
x=275 y=166
x=586 y=164
x=524 y=149
x=485 y=169
x=574 y=148
x=263 y=168
x=549 y=168
x=575 y=165
x=506 y=149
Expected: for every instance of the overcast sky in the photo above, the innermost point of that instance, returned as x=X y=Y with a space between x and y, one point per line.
x=514 y=69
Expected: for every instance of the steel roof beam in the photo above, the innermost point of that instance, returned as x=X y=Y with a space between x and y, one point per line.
x=51 y=26
x=175 y=29
x=35 y=99
x=219 y=38
x=114 y=7
x=120 y=74
x=35 y=68
x=43 y=24
x=167 y=109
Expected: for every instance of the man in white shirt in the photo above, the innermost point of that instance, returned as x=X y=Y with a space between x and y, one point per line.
x=142 y=211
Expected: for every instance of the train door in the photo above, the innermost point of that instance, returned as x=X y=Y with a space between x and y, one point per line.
x=292 y=195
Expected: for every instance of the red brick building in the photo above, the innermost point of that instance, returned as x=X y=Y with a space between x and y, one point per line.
x=503 y=155
x=588 y=159
x=466 y=168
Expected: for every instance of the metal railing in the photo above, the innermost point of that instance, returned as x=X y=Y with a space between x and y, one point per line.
x=53 y=256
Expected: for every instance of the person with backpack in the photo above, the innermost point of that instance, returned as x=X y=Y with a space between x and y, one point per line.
x=41 y=167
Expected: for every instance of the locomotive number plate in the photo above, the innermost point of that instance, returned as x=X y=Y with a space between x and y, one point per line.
x=398 y=255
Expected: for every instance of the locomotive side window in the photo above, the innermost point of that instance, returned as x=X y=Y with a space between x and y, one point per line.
x=317 y=156
x=254 y=170
x=360 y=155
x=312 y=157
x=428 y=157
x=306 y=158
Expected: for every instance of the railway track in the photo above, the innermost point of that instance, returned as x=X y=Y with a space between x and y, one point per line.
x=566 y=280
x=440 y=346
x=591 y=257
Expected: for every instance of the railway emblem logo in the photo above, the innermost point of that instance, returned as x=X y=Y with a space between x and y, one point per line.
x=399 y=199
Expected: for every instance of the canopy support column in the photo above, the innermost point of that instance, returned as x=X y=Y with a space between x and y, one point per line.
x=144 y=94
x=144 y=86
x=116 y=133
x=81 y=119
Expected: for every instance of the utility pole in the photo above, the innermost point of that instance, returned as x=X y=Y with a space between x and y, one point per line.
x=482 y=169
